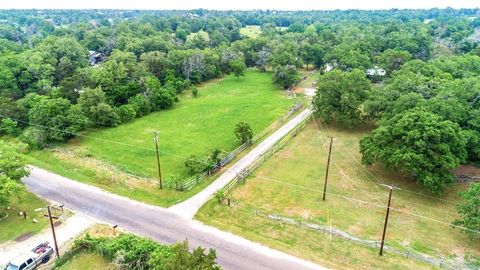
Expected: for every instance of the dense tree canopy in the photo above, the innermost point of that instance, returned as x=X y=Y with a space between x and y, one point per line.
x=419 y=143
x=340 y=95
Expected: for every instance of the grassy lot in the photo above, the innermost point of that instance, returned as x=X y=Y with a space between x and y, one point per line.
x=14 y=225
x=87 y=261
x=290 y=184
x=251 y=31
x=194 y=126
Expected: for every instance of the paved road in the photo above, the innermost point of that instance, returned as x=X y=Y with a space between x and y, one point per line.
x=233 y=252
x=190 y=207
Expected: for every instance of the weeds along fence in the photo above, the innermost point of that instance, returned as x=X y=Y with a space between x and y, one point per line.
x=445 y=263
x=240 y=177
x=191 y=182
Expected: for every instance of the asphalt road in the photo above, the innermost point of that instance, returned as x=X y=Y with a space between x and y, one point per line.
x=233 y=252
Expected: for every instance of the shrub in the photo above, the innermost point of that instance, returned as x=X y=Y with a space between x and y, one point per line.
x=126 y=112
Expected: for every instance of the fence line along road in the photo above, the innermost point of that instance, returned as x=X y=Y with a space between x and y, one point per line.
x=273 y=149
x=190 y=207
x=191 y=182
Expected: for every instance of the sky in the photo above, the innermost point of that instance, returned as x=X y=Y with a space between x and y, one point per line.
x=236 y=4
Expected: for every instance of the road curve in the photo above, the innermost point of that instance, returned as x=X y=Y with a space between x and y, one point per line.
x=189 y=208
x=233 y=252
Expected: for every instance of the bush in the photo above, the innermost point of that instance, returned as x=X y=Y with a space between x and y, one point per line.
x=126 y=112
x=194 y=91
x=8 y=126
x=34 y=137
x=244 y=132
x=142 y=253
x=195 y=165
x=141 y=105
x=286 y=76
x=161 y=99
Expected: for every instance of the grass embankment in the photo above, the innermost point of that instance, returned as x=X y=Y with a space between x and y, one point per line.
x=196 y=125
x=14 y=225
x=290 y=184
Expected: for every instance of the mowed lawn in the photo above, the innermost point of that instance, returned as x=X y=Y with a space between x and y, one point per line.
x=16 y=226
x=290 y=184
x=195 y=126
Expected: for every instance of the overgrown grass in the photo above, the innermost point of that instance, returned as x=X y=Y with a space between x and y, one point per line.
x=14 y=225
x=194 y=126
x=290 y=184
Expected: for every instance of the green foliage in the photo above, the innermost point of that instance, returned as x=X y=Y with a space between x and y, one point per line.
x=194 y=91
x=126 y=112
x=183 y=259
x=244 y=132
x=92 y=103
x=340 y=96
x=55 y=120
x=469 y=211
x=392 y=60
x=420 y=143
x=286 y=76
x=195 y=165
x=141 y=253
x=238 y=67
x=8 y=126
x=12 y=169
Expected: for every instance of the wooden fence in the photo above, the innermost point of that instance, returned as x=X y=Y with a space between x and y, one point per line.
x=191 y=182
x=240 y=177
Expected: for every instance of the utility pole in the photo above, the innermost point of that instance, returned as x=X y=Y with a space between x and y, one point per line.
x=53 y=231
x=328 y=166
x=155 y=138
x=386 y=219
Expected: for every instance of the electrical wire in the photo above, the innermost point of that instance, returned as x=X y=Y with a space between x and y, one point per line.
x=104 y=140
x=381 y=183
x=366 y=202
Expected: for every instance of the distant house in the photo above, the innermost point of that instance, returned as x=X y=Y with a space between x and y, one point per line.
x=94 y=58
x=329 y=67
x=376 y=71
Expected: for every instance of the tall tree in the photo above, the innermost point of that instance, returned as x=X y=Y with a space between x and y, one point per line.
x=420 y=143
x=340 y=96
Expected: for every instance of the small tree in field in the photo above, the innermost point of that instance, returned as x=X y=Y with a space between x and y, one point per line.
x=469 y=210
x=238 y=67
x=244 y=132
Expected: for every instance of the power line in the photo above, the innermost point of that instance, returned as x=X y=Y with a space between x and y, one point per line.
x=104 y=140
x=378 y=180
x=366 y=202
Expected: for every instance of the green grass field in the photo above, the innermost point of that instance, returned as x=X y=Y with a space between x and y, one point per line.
x=87 y=261
x=194 y=126
x=14 y=225
x=290 y=184
x=250 y=31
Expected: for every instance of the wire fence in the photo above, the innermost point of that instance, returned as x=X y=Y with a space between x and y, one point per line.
x=443 y=262
x=240 y=177
x=193 y=181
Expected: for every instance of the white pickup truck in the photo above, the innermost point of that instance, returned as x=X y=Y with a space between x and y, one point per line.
x=30 y=260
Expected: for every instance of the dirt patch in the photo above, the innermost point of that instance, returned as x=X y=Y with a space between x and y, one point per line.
x=24 y=237
x=468 y=170
x=299 y=90
x=57 y=223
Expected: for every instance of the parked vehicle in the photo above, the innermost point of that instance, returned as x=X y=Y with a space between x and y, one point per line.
x=30 y=260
